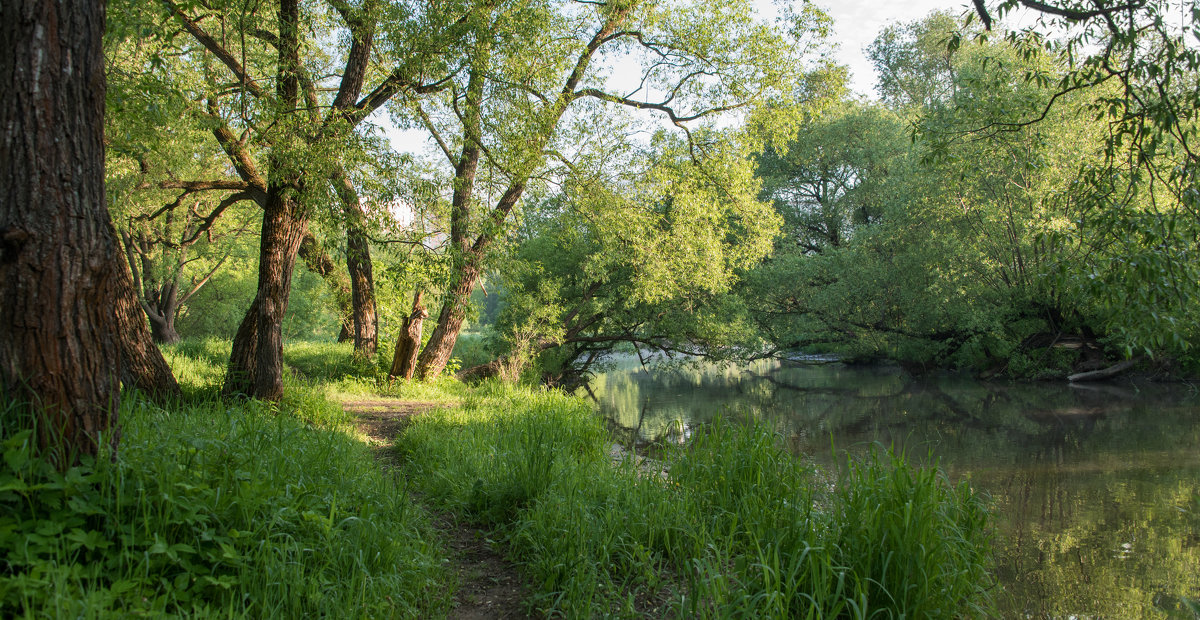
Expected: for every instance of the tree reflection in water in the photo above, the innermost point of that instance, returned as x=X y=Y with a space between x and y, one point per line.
x=1095 y=489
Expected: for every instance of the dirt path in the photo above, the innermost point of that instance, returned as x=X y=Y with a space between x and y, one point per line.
x=382 y=419
x=488 y=585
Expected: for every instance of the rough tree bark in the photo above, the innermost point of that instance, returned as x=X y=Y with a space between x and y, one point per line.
x=404 y=361
x=64 y=289
x=437 y=351
x=142 y=364
x=256 y=362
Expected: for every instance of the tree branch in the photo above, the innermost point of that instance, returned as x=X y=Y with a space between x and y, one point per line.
x=205 y=39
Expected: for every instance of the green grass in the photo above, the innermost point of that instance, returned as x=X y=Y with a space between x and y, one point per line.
x=252 y=509
x=332 y=369
x=738 y=527
x=212 y=509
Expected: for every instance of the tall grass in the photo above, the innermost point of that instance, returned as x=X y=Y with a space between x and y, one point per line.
x=251 y=509
x=736 y=528
x=210 y=509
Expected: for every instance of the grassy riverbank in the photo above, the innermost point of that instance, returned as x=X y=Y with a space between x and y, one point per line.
x=256 y=510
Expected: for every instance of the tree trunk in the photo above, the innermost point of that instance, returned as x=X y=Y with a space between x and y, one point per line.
x=1105 y=373
x=319 y=262
x=142 y=364
x=437 y=351
x=162 y=328
x=256 y=363
x=161 y=307
x=358 y=264
x=404 y=361
x=63 y=284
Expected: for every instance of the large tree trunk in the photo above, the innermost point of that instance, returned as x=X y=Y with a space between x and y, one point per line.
x=437 y=351
x=63 y=285
x=404 y=361
x=256 y=363
x=358 y=264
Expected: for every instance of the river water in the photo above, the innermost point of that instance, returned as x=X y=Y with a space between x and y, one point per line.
x=1095 y=490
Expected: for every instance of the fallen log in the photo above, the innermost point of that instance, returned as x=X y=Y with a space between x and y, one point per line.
x=1104 y=373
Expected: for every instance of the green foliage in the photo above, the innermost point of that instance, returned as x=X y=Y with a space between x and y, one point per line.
x=650 y=261
x=832 y=178
x=914 y=61
x=253 y=510
x=736 y=527
x=216 y=310
x=986 y=235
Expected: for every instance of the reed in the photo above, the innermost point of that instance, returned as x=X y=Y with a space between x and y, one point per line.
x=736 y=528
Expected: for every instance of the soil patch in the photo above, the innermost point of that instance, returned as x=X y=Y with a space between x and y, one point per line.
x=488 y=585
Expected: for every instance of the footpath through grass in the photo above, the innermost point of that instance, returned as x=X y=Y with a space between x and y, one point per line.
x=256 y=510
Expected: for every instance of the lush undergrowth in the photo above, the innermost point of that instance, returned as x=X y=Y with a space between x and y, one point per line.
x=736 y=528
x=277 y=510
x=215 y=509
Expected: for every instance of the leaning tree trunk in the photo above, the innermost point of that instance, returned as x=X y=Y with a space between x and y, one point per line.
x=404 y=361
x=62 y=285
x=437 y=351
x=256 y=362
x=358 y=264
x=142 y=364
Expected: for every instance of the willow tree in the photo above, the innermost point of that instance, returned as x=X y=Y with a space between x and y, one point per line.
x=69 y=328
x=1138 y=62
x=508 y=120
x=281 y=89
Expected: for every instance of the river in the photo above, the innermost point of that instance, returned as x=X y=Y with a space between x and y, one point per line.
x=1095 y=490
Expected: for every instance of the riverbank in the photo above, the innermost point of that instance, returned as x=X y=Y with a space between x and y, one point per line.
x=282 y=510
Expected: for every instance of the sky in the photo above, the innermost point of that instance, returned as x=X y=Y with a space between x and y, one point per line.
x=856 y=23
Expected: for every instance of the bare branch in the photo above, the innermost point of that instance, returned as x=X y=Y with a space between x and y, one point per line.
x=196 y=286
x=205 y=39
x=437 y=136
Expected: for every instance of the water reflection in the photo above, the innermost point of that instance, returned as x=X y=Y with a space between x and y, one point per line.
x=1094 y=488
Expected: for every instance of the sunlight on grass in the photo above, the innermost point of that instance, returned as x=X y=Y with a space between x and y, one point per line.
x=739 y=527
x=254 y=509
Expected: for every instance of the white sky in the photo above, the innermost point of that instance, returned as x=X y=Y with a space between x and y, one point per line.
x=856 y=23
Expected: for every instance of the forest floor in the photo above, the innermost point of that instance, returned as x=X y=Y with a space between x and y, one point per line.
x=488 y=585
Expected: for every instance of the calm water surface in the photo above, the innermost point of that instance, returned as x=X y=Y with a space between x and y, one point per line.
x=1095 y=490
